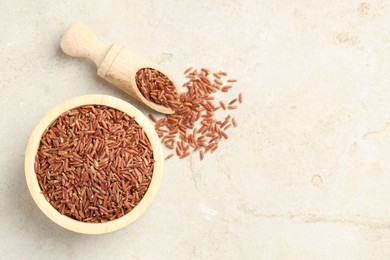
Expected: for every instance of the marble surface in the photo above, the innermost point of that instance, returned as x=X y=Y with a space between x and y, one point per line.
x=305 y=176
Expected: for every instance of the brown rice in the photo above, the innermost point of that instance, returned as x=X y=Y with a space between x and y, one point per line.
x=94 y=163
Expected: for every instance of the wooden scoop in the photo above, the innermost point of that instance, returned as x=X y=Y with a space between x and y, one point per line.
x=115 y=63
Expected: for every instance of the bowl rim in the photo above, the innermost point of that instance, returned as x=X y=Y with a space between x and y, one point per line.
x=32 y=181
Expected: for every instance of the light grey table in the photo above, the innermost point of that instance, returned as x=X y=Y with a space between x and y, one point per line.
x=305 y=176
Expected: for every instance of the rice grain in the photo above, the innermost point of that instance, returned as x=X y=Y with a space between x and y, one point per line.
x=194 y=125
x=94 y=163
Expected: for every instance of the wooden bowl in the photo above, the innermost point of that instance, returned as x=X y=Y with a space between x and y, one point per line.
x=65 y=221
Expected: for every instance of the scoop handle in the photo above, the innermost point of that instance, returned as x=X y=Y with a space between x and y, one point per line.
x=79 y=41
